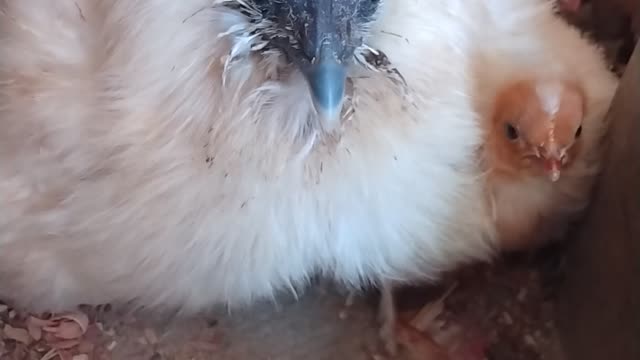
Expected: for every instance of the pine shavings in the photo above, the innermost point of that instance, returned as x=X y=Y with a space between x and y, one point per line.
x=150 y=336
x=34 y=327
x=19 y=335
x=420 y=345
x=425 y=319
x=70 y=335
x=68 y=326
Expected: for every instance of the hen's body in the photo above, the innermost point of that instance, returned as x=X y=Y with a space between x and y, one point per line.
x=129 y=172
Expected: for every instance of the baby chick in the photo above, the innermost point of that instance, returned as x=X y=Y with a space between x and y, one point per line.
x=541 y=93
x=539 y=168
x=534 y=155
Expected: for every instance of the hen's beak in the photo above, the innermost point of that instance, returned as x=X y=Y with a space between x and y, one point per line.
x=326 y=79
x=329 y=46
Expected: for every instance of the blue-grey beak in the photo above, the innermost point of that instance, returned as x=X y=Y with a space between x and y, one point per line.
x=327 y=77
x=329 y=46
x=320 y=38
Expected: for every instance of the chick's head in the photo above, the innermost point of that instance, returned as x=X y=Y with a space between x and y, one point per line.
x=537 y=127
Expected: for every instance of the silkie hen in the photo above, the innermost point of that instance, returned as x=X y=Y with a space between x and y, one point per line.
x=184 y=154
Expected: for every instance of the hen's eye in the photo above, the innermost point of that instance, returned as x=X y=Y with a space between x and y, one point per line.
x=579 y=131
x=511 y=131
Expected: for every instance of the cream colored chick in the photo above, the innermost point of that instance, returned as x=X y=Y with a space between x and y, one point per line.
x=192 y=153
x=540 y=168
x=541 y=93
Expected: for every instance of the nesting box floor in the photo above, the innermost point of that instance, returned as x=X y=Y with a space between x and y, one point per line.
x=508 y=302
x=310 y=328
x=317 y=326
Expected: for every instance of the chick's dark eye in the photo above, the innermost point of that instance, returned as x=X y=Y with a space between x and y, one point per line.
x=579 y=131
x=511 y=131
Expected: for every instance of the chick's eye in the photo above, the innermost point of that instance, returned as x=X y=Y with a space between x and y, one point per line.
x=579 y=131
x=511 y=131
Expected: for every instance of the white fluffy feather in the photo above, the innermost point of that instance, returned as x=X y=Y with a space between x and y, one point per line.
x=129 y=172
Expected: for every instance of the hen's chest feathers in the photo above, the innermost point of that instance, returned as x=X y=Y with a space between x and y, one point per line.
x=135 y=166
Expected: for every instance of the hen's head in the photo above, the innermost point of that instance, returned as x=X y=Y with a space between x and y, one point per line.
x=537 y=126
x=321 y=38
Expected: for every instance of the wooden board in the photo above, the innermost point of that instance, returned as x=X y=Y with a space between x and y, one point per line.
x=599 y=311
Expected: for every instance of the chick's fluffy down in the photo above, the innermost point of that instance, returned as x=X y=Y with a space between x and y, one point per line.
x=129 y=172
x=533 y=45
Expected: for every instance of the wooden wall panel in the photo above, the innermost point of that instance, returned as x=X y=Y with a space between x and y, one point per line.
x=599 y=309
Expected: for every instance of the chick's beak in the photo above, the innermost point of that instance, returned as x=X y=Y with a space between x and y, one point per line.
x=552 y=166
x=553 y=159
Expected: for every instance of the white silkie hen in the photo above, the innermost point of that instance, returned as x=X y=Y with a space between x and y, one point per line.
x=190 y=153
